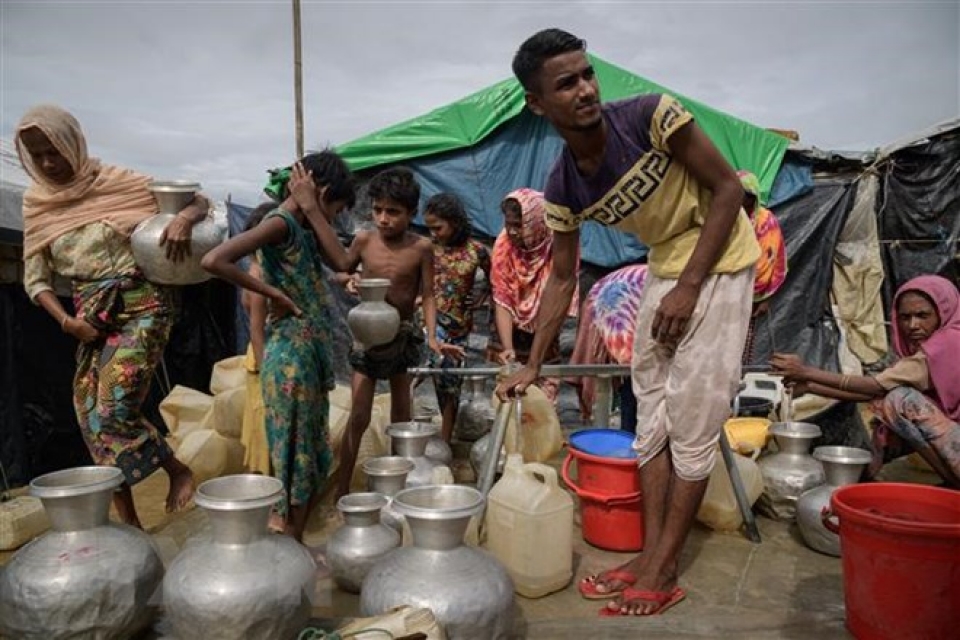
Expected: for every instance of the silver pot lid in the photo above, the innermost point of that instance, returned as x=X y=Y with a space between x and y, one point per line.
x=238 y=492
x=76 y=482
x=174 y=186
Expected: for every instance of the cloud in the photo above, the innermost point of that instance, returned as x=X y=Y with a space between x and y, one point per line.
x=204 y=90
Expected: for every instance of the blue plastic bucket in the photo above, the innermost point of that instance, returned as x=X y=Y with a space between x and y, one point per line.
x=604 y=443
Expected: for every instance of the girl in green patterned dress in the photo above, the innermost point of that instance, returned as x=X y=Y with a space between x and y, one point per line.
x=296 y=373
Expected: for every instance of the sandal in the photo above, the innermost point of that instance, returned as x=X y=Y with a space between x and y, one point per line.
x=663 y=599
x=588 y=585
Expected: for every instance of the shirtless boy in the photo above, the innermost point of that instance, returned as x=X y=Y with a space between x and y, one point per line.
x=394 y=252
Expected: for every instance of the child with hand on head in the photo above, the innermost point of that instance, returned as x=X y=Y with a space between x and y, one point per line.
x=393 y=252
x=296 y=373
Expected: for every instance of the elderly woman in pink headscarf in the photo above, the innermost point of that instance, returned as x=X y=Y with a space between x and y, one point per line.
x=917 y=399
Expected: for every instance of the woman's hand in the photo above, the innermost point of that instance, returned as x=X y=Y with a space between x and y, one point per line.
x=798 y=389
x=790 y=366
x=176 y=238
x=507 y=356
x=281 y=306
x=80 y=329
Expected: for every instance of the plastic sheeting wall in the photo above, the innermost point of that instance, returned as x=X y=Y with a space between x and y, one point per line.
x=858 y=276
x=919 y=212
x=800 y=319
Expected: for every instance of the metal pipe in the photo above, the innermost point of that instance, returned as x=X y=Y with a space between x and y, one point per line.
x=547 y=370
x=489 y=470
x=733 y=471
x=601 y=401
x=556 y=370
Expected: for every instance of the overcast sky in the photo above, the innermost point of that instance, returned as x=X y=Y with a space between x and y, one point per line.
x=204 y=89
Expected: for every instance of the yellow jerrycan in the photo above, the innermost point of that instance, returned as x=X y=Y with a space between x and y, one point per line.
x=529 y=527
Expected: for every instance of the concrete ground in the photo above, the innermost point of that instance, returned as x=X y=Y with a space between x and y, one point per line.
x=735 y=589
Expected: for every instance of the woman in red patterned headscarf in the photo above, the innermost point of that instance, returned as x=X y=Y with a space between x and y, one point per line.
x=521 y=263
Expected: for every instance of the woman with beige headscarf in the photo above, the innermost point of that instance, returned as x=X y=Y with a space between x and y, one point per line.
x=78 y=215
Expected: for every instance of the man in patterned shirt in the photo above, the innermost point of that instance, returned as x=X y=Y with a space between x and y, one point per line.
x=644 y=166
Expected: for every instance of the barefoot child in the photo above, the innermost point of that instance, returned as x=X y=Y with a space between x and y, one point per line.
x=456 y=260
x=394 y=252
x=296 y=373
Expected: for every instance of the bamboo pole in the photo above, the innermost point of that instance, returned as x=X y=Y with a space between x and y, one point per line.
x=298 y=78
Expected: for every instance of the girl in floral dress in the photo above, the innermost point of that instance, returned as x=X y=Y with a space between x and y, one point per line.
x=456 y=260
x=296 y=372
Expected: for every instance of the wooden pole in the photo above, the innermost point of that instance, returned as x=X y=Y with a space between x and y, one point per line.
x=298 y=78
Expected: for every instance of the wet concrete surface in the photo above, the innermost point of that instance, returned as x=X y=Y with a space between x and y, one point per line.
x=735 y=589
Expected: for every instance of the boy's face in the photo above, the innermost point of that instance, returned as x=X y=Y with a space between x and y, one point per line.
x=569 y=95
x=391 y=217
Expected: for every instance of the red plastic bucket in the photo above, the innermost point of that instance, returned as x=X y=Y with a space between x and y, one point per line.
x=610 y=497
x=900 y=548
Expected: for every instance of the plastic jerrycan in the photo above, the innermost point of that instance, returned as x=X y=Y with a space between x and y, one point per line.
x=719 y=509
x=529 y=525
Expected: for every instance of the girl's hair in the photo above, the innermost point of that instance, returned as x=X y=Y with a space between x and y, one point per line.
x=256 y=216
x=449 y=208
x=330 y=171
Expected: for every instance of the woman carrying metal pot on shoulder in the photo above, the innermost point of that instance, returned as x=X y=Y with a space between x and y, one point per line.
x=78 y=215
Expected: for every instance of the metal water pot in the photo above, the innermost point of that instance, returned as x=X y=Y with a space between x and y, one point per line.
x=85 y=578
x=374 y=321
x=842 y=466
x=362 y=540
x=387 y=475
x=241 y=581
x=409 y=439
x=468 y=590
x=439 y=451
x=478 y=454
x=476 y=413
x=171 y=197
x=791 y=471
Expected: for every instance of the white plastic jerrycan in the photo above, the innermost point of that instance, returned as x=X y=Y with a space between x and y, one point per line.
x=719 y=509
x=529 y=527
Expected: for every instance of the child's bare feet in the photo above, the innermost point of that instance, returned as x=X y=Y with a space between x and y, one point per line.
x=181 y=489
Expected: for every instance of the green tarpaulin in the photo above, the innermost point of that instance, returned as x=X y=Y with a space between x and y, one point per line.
x=466 y=122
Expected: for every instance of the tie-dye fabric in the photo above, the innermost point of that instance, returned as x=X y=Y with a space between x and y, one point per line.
x=771 y=268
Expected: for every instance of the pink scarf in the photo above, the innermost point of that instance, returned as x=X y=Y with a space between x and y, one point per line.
x=519 y=273
x=942 y=348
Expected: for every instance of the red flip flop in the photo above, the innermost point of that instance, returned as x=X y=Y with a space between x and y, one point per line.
x=663 y=599
x=588 y=585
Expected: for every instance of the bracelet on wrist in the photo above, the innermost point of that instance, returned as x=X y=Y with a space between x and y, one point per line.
x=63 y=323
